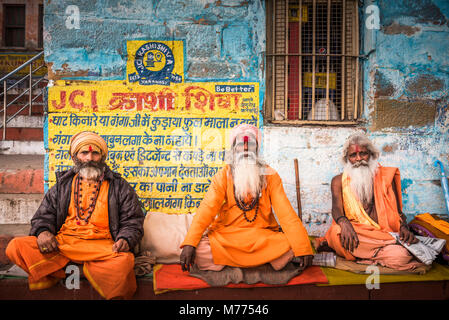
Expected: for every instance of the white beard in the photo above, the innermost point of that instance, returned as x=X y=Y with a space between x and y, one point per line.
x=362 y=180
x=247 y=176
x=90 y=173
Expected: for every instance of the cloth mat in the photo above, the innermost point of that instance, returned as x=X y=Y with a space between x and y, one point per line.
x=339 y=277
x=264 y=273
x=346 y=265
x=170 y=277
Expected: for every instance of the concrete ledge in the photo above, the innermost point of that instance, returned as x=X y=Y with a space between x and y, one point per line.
x=18 y=208
x=11 y=147
x=14 y=230
x=22 y=161
x=23 y=134
x=26 y=122
x=17 y=289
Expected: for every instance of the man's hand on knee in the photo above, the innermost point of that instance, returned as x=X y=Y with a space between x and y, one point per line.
x=348 y=237
x=47 y=242
x=187 y=257
x=121 y=245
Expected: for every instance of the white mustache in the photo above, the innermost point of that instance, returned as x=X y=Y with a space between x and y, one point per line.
x=250 y=156
x=360 y=163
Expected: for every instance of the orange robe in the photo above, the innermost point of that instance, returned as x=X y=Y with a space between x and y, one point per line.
x=238 y=243
x=374 y=237
x=110 y=273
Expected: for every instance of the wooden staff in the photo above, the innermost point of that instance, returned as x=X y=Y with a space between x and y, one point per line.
x=298 y=190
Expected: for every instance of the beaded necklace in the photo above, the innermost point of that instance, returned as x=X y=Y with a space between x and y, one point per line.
x=80 y=212
x=245 y=208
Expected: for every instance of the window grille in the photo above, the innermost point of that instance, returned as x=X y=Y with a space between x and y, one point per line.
x=313 y=70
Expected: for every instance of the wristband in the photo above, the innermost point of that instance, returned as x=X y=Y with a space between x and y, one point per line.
x=404 y=225
x=338 y=219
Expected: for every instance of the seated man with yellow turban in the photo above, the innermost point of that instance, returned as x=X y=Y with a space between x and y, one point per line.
x=237 y=212
x=91 y=216
x=366 y=208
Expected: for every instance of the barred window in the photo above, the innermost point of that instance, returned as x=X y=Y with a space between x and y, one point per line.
x=313 y=70
x=14 y=25
x=40 y=35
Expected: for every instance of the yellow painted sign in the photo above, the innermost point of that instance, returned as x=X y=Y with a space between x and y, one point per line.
x=11 y=61
x=166 y=141
x=320 y=80
x=293 y=13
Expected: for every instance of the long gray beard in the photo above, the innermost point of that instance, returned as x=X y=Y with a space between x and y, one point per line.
x=248 y=176
x=90 y=173
x=89 y=170
x=362 y=179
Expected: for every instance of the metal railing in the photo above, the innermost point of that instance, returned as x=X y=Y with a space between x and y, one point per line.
x=29 y=90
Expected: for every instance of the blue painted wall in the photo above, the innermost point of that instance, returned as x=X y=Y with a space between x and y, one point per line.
x=408 y=61
x=224 y=39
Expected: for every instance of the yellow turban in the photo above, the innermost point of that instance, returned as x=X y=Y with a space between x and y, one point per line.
x=88 y=139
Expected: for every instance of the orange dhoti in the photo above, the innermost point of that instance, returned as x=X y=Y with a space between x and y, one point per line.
x=376 y=244
x=110 y=273
x=375 y=247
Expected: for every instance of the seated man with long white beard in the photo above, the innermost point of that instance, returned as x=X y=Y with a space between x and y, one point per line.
x=237 y=212
x=366 y=207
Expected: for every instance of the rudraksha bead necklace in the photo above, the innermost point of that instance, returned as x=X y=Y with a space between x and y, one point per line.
x=245 y=208
x=80 y=212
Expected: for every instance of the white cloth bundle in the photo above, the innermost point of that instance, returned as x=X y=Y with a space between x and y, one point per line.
x=426 y=250
x=325 y=259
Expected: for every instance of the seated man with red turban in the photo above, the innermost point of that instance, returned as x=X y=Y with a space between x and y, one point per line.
x=91 y=216
x=237 y=215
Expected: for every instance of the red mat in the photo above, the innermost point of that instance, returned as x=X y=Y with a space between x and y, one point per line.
x=169 y=277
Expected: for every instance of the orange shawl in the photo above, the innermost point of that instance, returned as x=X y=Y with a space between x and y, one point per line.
x=385 y=200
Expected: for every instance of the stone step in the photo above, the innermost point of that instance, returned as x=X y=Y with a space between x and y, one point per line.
x=24 y=128
x=21 y=229
x=37 y=109
x=22 y=161
x=26 y=121
x=22 y=173
x=15 y=147
x=23 y=134
x=21 y=187
x=18 y=208
x=22 y=181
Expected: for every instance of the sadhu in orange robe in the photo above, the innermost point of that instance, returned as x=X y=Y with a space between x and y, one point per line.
x=376 y=245
x=238 y=243
x=110 y=273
